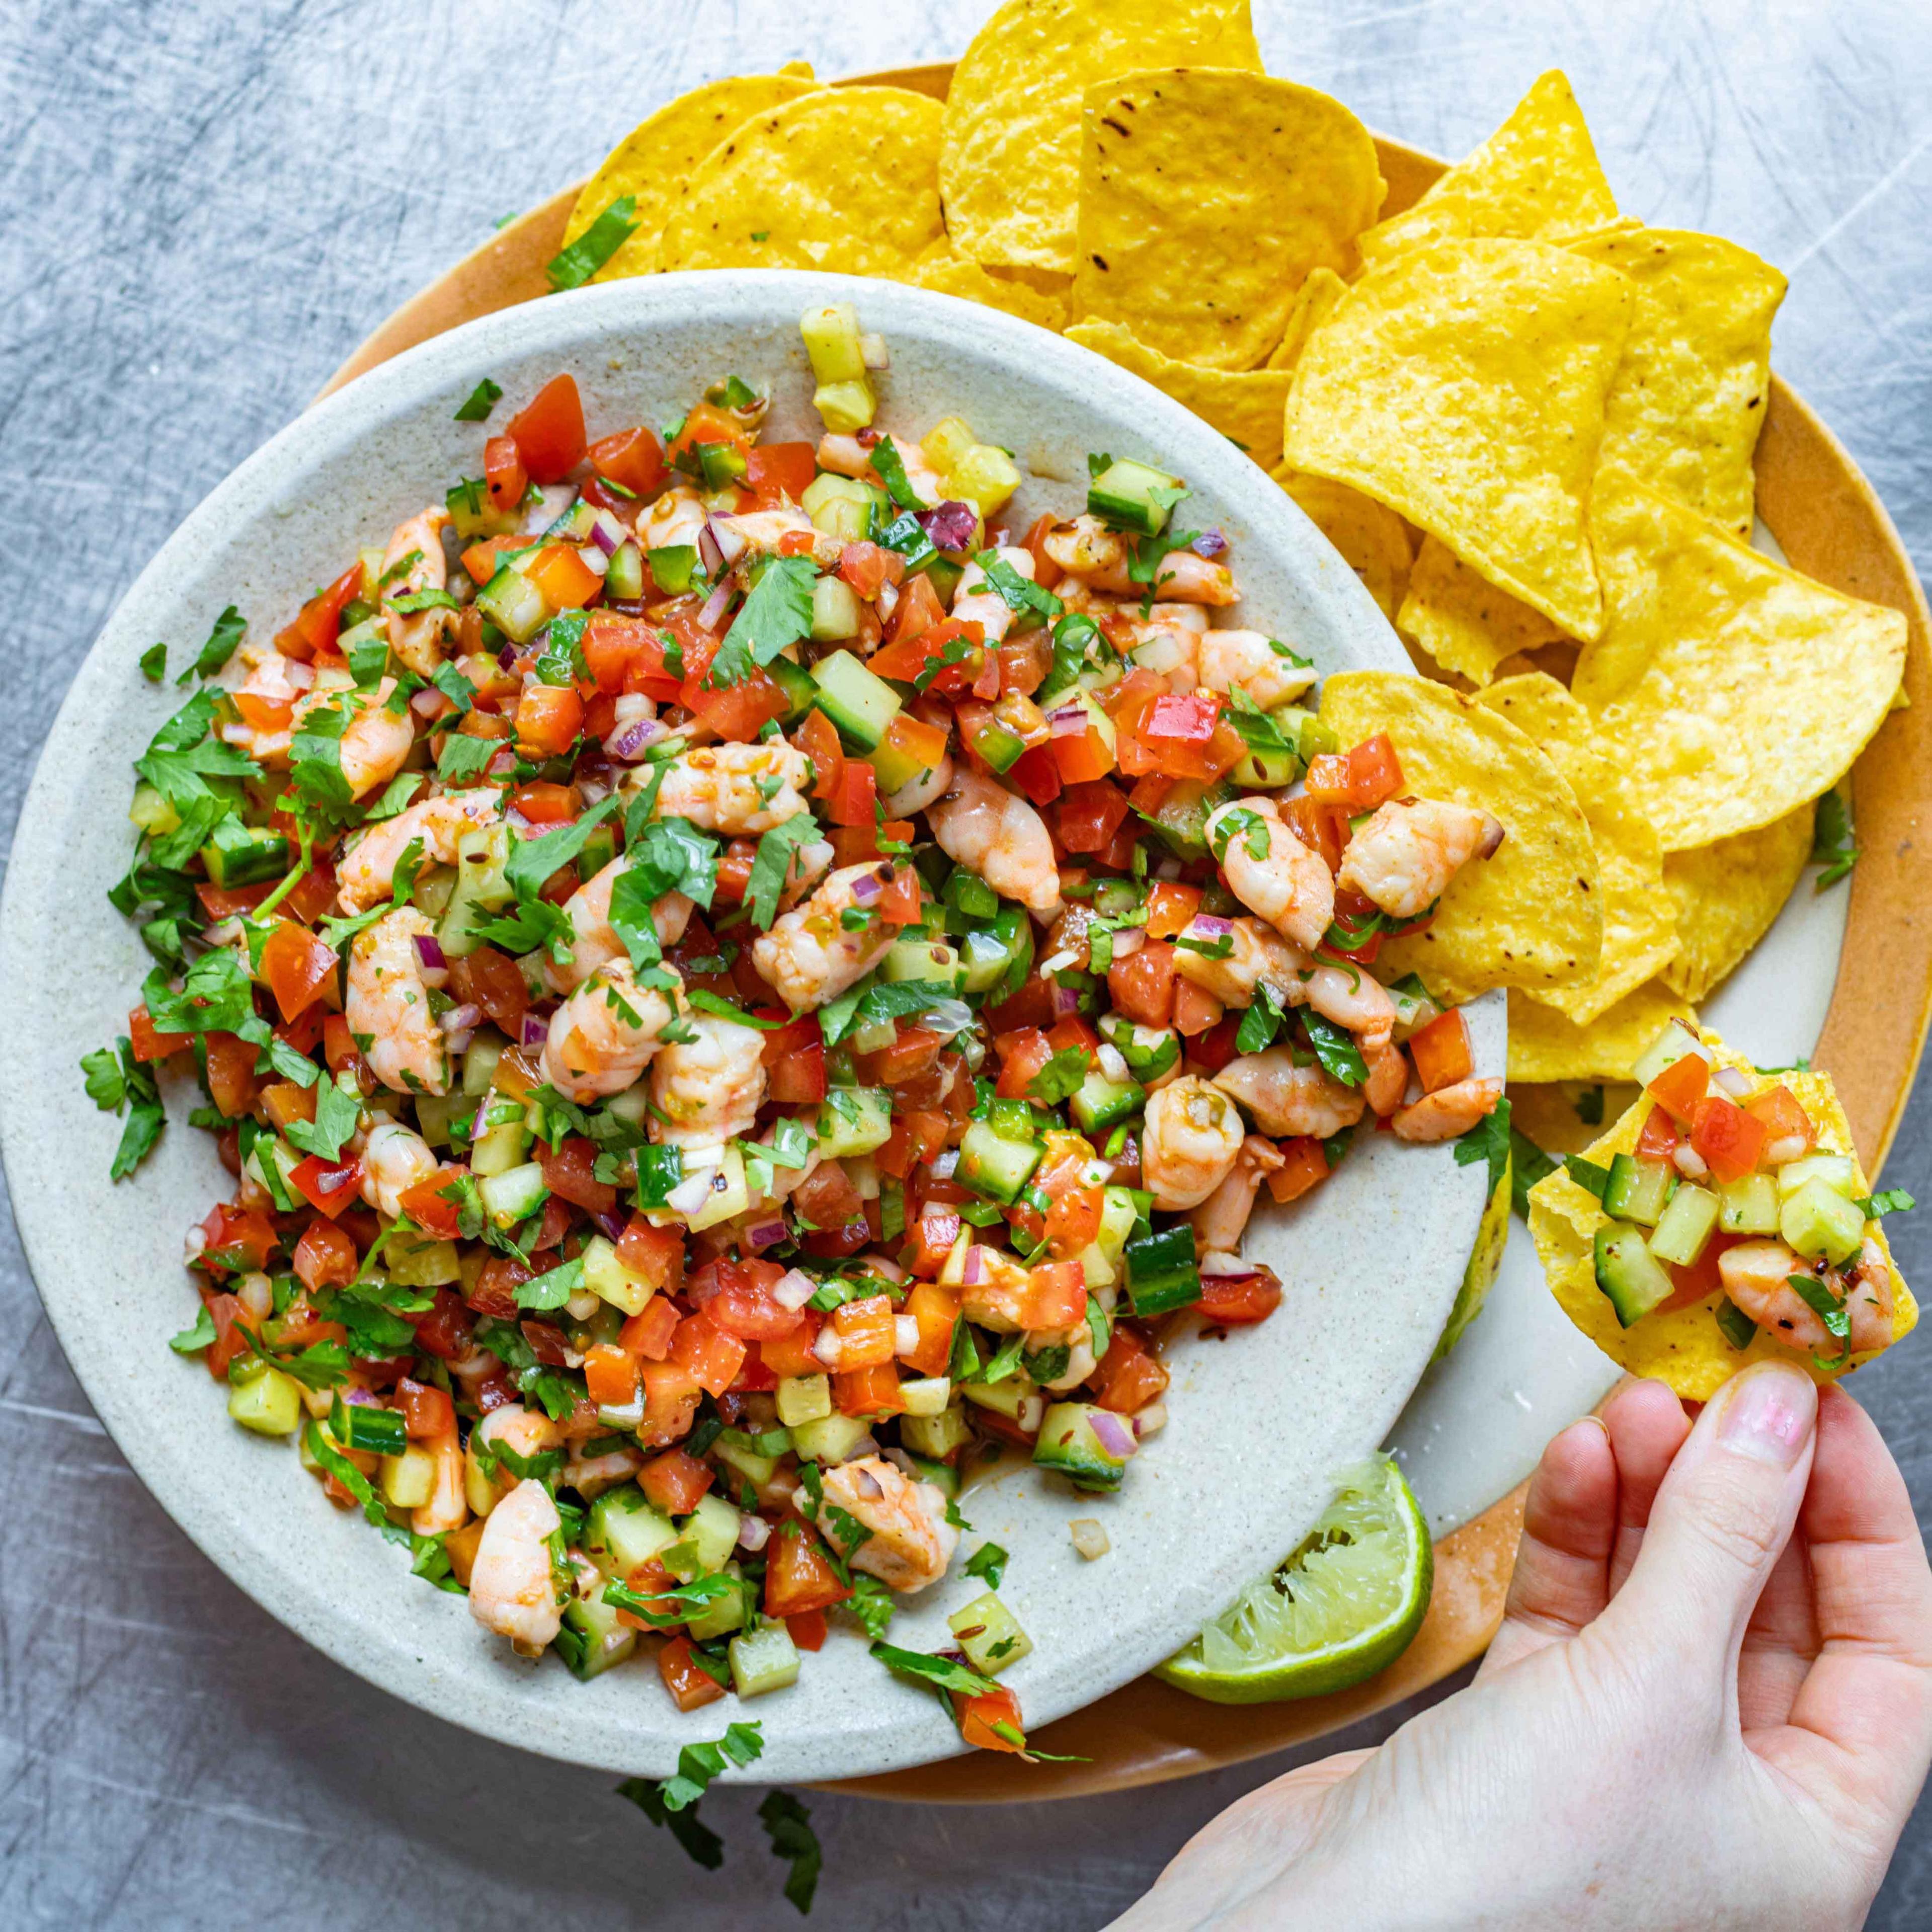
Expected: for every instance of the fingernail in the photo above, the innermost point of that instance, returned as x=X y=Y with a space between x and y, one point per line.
x=1768 y=1414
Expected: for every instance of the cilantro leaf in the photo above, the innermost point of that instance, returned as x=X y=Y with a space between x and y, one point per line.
x=775 y=614
x=220 y=647
x=315 y=763
x=107 y=1085
x=1018 y=592
x=1833 y=845
x=1488 y=1141
x=155 y=663
x=181 y=757
x=552 y=1290
x=1262 y=1021
x=217 y=996
x=772 y=865
x=1836 y=1315
x=697 y=1765
x=571 y=267
x=867 y=1005
x=1335 y=1048
x=533 y=861
x=1528 y=1164
x=1061 y=1078
x=480 y=401
x=788 y=1824
x=338 y=1106
x=891 y=471
x=701 y=1844
x=192 y=1341
x=988 y=1561
x=463 y=758
x=872 y=1603
x=673 y=855
x=941 y=1671
x=1872 y=1207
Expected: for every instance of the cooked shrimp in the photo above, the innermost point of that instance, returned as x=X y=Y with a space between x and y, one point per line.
x=376 y=738
x=1868 y=1296
x=512 y=1590
x=590 y=1476
x=1260 y=957
x=911 y=1542
x=707 y=1089
x=810 y=956
x=367 y=876
x=919 y=792
x=1448 y=1112
x=418 y=639
x=1221 y=1219
x=741 y=789
x=1192 y=1135
x=1404 y=858
x=759 y=533
x=595 y=942
x=1388 y=1077
x=675 y=518
x=993 y=832
x=1756 y=1275
x=388 y=1004
x=395 y=1158
x=846 y=456
x=529 y=1432
x=810 y=862
x=1351 y=998
x=605 y=1034
x=1286 y=1098
x=1270 y=871
x=1087 y=549
x=974 y=602
x=1080 y=1359
x=1253 y=664
x=1165 y=642
x=273 y=681
x=446 y=1510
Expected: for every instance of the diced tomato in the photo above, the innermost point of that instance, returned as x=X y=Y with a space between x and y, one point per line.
x=917 y=1136
x=1089 y=815
x=1072 y=1226
x=1171 y=908
x=1681 y=1084
x=866 y=1332
x=296 y=967
x=241 y=1238
x=443 y=1330
x=826 y=1197
x=929 y=1240
x=1129 y=1377
x=808 y=1630
x=425 y=1205
x=507 y=479
x=148 y=1044
x=548 y=716
x=707 y=426
x=707 y=1354
x=568 y=1171
x=1730 y=1139
x=546 y=804
x=852 y=803
x=1323 y=828
x=936 y=1310
x=633 y=458
x=978 y=1715
x=816 y=739
x=915 y=1050
x=1056 y=1295
x=671 y=1400
x=794 y=1061
x=1231 y=1300
x=871 y=1391
x=1142 y=985
x=492 y=981
x=548 y=430
x=1037 y=774
x=736 y=1296
x=1658 y=1138
x=691 y=1685
x=799 y=1575
x=1021 y=1056
x=908 y=658
x=1360 y=779
x=868 y=569
x=231 y=1073
x=1024 y=662
x=1080 y=755
x=609 y=1374
x=1441 y=1052
x=320 y=621
x=734 y=870
x=1784 y=1119
x=1185 y=736
x=325 y=1257
x=1215 y=1048
x=918 y=610
x=775 y=471
x=1305 y=1164
x=1194 y=1010
x=790 y=1355
x=899 y=903
x=647 y=1334
x=611 y=644
x=567 y=582
x=673 y=1481
x=331 y=1185
x=1701 y=1279
x=741 y=710
x=833 y=1240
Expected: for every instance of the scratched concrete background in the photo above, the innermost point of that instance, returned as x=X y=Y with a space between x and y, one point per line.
x=202 y=208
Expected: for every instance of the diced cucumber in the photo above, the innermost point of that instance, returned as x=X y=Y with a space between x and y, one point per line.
x=625 y=579
x=1638 y=1189
x=419 y=1263
x=514 y=605
x=802 y=1399
x=409 y=1480
x=832 y=340
x=436 y=1112
x=500 y=1150
x=591 y=1639
x=606 y=1277
x=931 y=959
x=795 y=681
x=1123 y=493
x=1149 y=1052
x=1161 y=1273
x=1685 y=1225
x=711 y=1532
x=936 y=1436
x=1100 y=1103
x=1266 y=770
x=993 y=1166
x=992 y=953
x=1006 y=1398
x=990 y=1634
x=1181 y=817
x=1748 y=1206
x=842 y=507
x=830 y=1439
x=1837 y=1171
x=927 y=1395
x=269 y=1402
x=513 y=1196
x=860 y=704
x=1629 y=1275
x=1819 y=1222
x=730 y=1196
x=482 y=885
x=1671 y=1045
x=1069 y=1444
x=854 y=1121
x=480 y=1062
x=942 y=1476
x=763 y=1659
x=152 y=812
x=241 y=855
x=728 y=1611
x=735 y=1449
x=623 y=1529
x=836 y=612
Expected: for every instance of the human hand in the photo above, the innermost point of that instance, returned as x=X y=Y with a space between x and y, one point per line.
x=1709 y=1703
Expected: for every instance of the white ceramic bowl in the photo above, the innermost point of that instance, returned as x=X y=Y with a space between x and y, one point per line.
x=1258 y=1421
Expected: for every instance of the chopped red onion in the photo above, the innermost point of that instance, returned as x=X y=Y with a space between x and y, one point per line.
x=610 y=1224
x=608 y=534
x=710 y=551
x=1209 y=543
x=793 y=1289
x=715 y=606
x=1068 y=721
x=865 y=438
x=506 y=657
x=903 y=1463
x=950 y=525
x=754 y=1533
x=1116 y=1438
x=478 y=1127
x=1209 y=925
x=459 y=1042
x=1066 y=1002
x=535 y=1031
x=631 y=744
x=429 y=953
x=866 y=889
x=970 y=1276
x=942 y=1165
x=765 y=1234
x=429 y=702
x=825 y=1346
x=905 y=1335
x=1733 y=1080
x=462 y=1018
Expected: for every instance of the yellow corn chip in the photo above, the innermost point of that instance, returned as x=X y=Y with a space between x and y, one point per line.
x=1463 y=385
x=1728 y=894
x=1546 y=1046
x=845 y=179
x=954 y=275
x=1206 y=199
x=654 y=161
x=1010 y=167
x=1465 y=623
x=1684 y=1346
x=1315 y=301
x=1536 y=179
x=1732 y=688
x=1688 y=401
x=1373 y=541
x=1245 y=405
x=1639 y=915
x=1531 y=915
x=1547 y=1116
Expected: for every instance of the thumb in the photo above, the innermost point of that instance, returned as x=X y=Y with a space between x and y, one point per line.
x=1722 y=1518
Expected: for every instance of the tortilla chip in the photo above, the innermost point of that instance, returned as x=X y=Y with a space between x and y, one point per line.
x=1530 y=915
x=845 y=179
x=1010 y=165
x=1315 y=301
x=1206 y=199
x=1245 y=405
x=1545 y=1045
x=1684 y=1346
x=654 y=161
x=1548 y=1116
x=1733 y=689
x=1463 y=622
x=1373 y=541
x=1728 y=894
x=1688 y=401
x=1639 y=915
x=954 y=275
x=1535 y=179
x=1463 y=385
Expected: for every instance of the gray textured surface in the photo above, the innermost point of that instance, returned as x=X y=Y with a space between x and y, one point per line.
x=202 y=208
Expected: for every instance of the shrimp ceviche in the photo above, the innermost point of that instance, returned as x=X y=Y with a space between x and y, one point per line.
x=728 y=982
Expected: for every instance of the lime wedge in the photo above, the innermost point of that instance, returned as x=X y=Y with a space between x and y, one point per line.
x=1345 y=1606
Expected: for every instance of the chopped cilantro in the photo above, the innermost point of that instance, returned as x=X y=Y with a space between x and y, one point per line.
x=480 y=401
x=772 y=865
x=776 y=613
x=572 y=267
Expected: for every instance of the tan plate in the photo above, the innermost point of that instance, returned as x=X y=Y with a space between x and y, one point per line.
x=1832 y=526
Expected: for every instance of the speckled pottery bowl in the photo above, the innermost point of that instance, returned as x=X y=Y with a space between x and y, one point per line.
x=1257 y=1423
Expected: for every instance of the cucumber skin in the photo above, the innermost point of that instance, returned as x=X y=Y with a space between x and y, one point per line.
x=1632 y=1279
